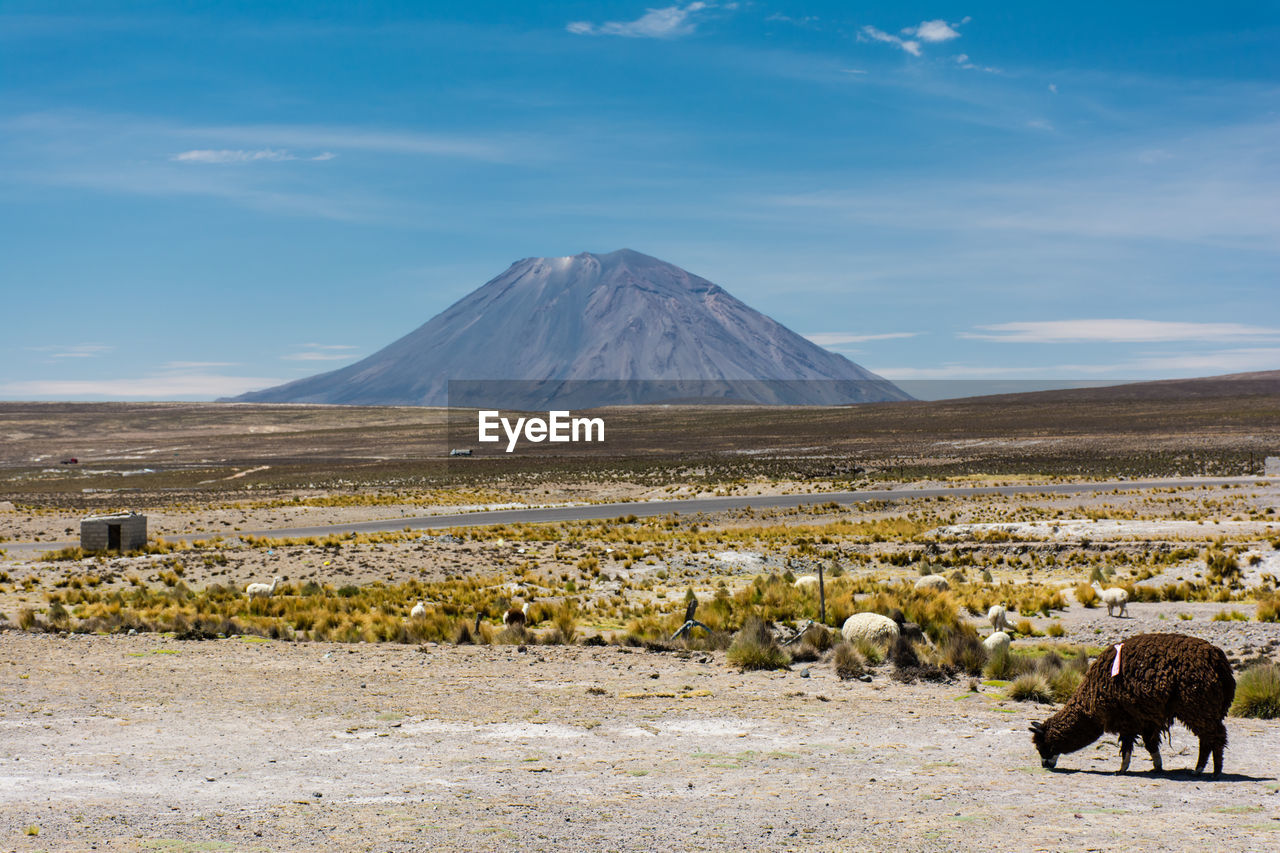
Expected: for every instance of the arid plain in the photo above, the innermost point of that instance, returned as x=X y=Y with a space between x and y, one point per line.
x=149 y=704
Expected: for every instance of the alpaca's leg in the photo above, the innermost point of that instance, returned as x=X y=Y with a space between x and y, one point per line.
x=1126 y=751
x=1219 y=743
x=1213 y=740
x=1204 y=755
x=1151 y=740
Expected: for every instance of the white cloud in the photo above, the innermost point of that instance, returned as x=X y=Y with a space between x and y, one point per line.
x=928 y=32
x=75 y=351
x=197 y=365
x=1146 y=366
x=1119 y=331
x=1224 y=193
x=833 y=339
x=966 y=63
x=237 y=155
x=227 y=155
x=873 y=34
x=322 y=352
x=933 y=31
x=168 y=386
x=664 y=23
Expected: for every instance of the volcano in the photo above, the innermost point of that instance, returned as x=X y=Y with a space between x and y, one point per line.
x=594 y=330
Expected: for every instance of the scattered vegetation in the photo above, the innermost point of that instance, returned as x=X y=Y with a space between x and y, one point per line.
x=1258 y=692
x=1032 y=687
x=848 y=662
x=754 y=647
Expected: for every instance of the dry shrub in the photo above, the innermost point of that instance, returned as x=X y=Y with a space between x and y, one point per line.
x=903 y=654
x=848 y=662
x=963 y=650
x=817 y=639
x=871 y=652
x=1086 y=595
x=1064 y=683
x=512 y=635
x=1269 y=609
x=1221 y=566
x=1031 y=687
x=754 y=647
x=1258 y=693
x=462 y=635
x=565 y=620
x=1002 y=665
x=29 y=621
x=908 y=667
x=1026 y=629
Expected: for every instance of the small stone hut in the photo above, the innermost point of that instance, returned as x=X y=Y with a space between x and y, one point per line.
x=125 y=531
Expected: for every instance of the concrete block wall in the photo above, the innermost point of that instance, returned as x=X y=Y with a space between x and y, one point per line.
x=95 y=532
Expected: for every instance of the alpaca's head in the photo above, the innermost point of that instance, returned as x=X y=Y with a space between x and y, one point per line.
x=1040 y=737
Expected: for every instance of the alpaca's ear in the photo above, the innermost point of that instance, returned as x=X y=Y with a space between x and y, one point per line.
x=1036 y=727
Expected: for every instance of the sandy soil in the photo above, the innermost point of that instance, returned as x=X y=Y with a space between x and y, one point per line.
x=128 y=743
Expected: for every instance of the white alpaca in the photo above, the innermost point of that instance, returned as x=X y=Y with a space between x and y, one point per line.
x=997 y=641
x=1113 y=597
x=262 y=590
x=419 y=611
x=933 y=583
x=999 y=618
x=871 y=627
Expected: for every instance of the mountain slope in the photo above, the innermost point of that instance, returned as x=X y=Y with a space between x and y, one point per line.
x=594 y=330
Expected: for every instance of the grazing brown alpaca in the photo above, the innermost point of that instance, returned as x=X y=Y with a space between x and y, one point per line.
x=1137 y=689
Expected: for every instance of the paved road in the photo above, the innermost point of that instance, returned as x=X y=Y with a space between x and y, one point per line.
x=686 y=507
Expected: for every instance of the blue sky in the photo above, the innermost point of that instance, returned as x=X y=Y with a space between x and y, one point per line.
x=198 y=199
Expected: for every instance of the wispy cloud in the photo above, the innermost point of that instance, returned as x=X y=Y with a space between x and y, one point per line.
x=927 y=32
x=966 y=63
x=835 y=339
x=238 y=155
x=166 y=386
x=248 y=142
x=1154 y=365
x=1216 y=189
x=197 y=365
x=75 y=351
x=665 y=23
x=870 y=33
x=322 y=352
x=327 y=138
x=1119 y=331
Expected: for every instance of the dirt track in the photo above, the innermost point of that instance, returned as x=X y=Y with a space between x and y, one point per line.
x=125 y=743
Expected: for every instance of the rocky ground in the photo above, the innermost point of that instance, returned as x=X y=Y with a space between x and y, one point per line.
x=128 y=743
